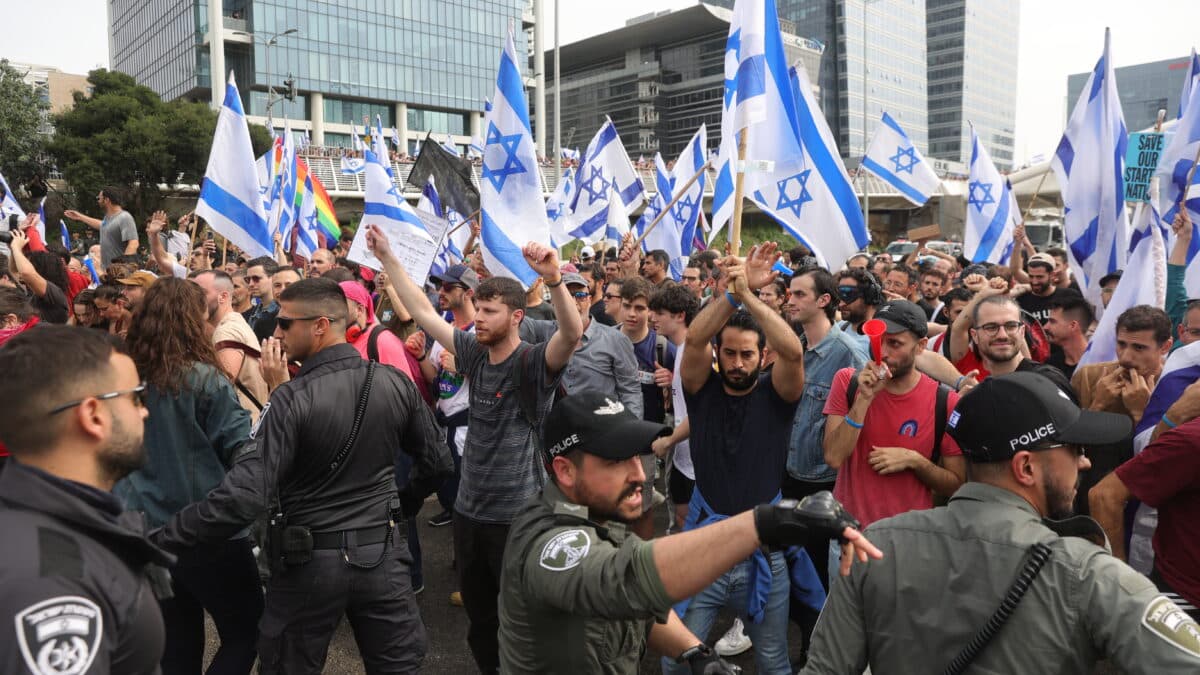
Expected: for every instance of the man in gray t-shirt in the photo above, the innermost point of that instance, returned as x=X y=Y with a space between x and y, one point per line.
x=118 y=231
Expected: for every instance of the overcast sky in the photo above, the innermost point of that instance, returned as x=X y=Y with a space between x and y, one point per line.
x=1058 y=37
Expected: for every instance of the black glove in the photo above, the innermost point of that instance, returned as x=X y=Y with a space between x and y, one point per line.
x=788 y=523
x=704 y=661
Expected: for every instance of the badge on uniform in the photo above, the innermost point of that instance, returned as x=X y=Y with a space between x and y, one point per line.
x=60 y=636
x=1172 y=624
x=565 y=550
x=262 y=415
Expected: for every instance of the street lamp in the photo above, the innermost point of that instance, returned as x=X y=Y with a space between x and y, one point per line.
x=271 y=42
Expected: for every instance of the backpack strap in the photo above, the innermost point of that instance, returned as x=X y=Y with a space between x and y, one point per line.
x=852 y=389
x=240 y=346
x=939 y=421
x=373 y=343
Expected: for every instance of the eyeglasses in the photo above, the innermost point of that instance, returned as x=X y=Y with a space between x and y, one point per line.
x=136 y=391
x=581 y=295
x=1194 y=332
x=285 y=322
x=450 y=288
x=994 y=328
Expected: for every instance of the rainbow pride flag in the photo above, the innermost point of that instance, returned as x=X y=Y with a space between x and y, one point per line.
x=326 y=216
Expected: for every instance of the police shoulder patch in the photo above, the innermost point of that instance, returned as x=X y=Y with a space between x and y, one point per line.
x=60 y=636
x=565 y=550
x=262 y=415
x=1166 y=620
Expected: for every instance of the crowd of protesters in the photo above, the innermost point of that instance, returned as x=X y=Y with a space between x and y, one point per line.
x=213 y=336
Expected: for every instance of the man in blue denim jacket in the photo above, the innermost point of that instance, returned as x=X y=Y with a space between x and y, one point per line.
x=827 y=349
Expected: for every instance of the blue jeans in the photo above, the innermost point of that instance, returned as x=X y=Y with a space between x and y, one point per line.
x=730 y=590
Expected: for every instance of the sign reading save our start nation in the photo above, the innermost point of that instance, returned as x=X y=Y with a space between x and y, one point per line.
x=1141 y=159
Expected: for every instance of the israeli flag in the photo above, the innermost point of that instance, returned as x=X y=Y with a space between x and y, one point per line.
x=475 y=149
x=1177 y=162
x=558 y=210
x=41 y=224
x=616 y=226
x=229 y=200
x=356 y=139
x=379 y=145
x=449 y=146
x=677 y=230
x=1143 y=283
x=894 y=158
x=396 y=138
x=430 y=202
x=568 y=153
x=1190 y=82
x=512 y=209
x=353 y=165
x=1090 y=166
x=8 y=203
x=605 y=165
x=988 y=231
x=65 y=234
x=282 y=217
x=306 y=220
x=662 y=194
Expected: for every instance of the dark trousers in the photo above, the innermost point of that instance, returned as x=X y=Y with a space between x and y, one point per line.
x=818 y=551
x=403 y=468
x=221 y=579
x=447 y=494
x=306 y=602
x=479 y=550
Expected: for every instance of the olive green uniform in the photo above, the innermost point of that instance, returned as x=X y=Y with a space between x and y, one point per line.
x=944 y=572
x=575 y=596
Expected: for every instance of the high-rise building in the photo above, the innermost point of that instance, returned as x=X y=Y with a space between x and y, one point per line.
x=1144 y=88
x=972 y=54
x=659 y=78
x=56 y=88
x=421 y=65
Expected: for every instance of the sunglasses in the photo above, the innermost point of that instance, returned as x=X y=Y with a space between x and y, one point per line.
x=136 y=392
x=285 y=322
x=450 y=288
x=849 y=293
x=254 y=278
x=581 y=295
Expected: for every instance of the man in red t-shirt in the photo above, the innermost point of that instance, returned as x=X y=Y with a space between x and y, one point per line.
x=882 y=445
x=1166 y=476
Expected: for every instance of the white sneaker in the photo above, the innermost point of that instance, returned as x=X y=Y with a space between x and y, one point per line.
x=735 y=641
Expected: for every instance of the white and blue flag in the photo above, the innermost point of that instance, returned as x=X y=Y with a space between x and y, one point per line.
x=356 y=138
x=662 y=194
x=894 y=158
x=8 y=203
x=449 y=251
x=396 y=139
x=568 y=153
x=1190 y=82
x=512 y=209
x=558 y=210
x=41 y=224
x=677 y=229
x=229 y=200
x=379 y=145
x=1174 y=167
x=1144 y=282
x=605 y=166
x=353 y=165
x=306 y=220
x=616 y=226
x=282 y=216
x=475 y=148
x=65 y=234
x=1090 y=166
x=988 y=230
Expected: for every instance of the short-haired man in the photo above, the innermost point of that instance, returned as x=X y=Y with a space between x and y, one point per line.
x=932 y=282
x=118 y=232
x=1070 y=318
x=859 y=261
x=1189 y=328
x=612 y=301
x=695 y=279
x=860 y=295
x=998 y=335
x=901 y=284
x=74 y=589
x=258 y=281
x=283 y=277
x=1042 y=289
x=1023 y=441
x=593 y=274
x=499 y=467
x=656 y=267
x=322 y=261
x=238 y=350
x=133 y=288
x=1108 y=286
x=241 y=292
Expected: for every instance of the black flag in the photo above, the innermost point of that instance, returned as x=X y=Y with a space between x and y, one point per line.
x=451 y=176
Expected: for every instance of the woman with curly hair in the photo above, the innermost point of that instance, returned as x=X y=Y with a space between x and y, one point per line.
x=195 y=428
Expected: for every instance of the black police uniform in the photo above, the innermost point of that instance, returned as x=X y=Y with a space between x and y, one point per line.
x=75 y=595
x=358 y=565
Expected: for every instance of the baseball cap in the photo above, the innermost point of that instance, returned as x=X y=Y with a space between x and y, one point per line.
x=902 y=315
x=587 y=253
x=1026 y=411
x=1044 y=258
x=459 y=274
x=139 y=278
x=356 y=292
x=600 y=425
x=574 y=279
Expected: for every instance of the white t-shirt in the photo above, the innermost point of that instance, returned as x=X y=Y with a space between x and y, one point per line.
x=452 y=391
x=683 y=451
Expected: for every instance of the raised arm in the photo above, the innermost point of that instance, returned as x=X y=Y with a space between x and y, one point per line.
x=29 y=276
x=544 y=260
x=787 y=375
x=166 y=262
x=1020 y=242
x=410 y=294
x=91 y=222
x=698 y=357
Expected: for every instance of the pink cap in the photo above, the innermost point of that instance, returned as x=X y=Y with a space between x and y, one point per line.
x=356 y=292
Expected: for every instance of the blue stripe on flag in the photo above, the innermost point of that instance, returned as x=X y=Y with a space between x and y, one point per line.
x=827 y=167
x=750 y=80
x=392 y=213
x=1065 y=153
x=773 y=53
x=1097 y=79
x=1085 y=245
x=509 y=82
x=238 y=212
x=991 y=236
x=508 y=253
x=233 y=101
x=588 y=227
x=631 y=192
x=608 y=134
x=892 y=180
x=887 y=119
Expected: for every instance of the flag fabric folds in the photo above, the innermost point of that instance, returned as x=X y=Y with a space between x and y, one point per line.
x=662 y=194
x=1190 y=82
x=894 y=158
x=558 y=210
x=616 y=225
x=41 y=224
x=1175 y=165
x=605 y=165
x=1143 y=283
x=306 y=217
x=451 y=174
x=353 y=165
x=229 y=199
x=988 y=231
x=512 y=209
x=8 y=203
x=384 y=204
x=65 y=234
x=1090 y=166
x=677 y=229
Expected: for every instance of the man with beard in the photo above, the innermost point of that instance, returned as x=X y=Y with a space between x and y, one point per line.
x=741 y=422
x=321 y=262
x=1023 y=440
x=74 y=589
x=236 y=345
x=261 y=316
x=570 y=548
x=998 y=333
x=133 y=288
x=884 y=442
x=860 y=295
x=512 y=386
x=1042 y=291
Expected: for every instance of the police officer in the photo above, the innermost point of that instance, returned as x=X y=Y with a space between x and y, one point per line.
x=1008 y=535
x=321 y=463
x=74 y=592
x=580 y=594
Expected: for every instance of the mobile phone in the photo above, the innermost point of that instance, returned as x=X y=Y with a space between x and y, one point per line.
x=14 y=221
x=208 y=234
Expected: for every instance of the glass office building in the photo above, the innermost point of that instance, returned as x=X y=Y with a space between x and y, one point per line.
x=1144 y=89
x=421 y=65
x=972 y=50
x=659 y=78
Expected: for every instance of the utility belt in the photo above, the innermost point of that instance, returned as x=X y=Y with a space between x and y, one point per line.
x=291 y=546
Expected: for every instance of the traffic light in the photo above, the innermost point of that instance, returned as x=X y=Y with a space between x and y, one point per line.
x=290 y=83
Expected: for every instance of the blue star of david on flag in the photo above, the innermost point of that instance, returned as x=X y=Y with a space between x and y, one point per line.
x=512 y=165
x=684 y=208
x=794 y=204
x=904 y=159
x=595 y=193
x=985 y=197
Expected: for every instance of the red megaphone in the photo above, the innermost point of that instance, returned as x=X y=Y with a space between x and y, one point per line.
x=874 y=329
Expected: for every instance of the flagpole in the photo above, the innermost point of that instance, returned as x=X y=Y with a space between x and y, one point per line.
x=667 y=209
x=735 y=230
x=1036 y=192
x=1187 y=185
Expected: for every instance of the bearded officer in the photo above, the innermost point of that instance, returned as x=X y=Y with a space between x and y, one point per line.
x=1008 y=535
x=75 y=592
x=580 y=594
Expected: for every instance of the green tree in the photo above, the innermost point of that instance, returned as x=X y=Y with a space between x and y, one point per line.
x=22 y=112
x=124 y=135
